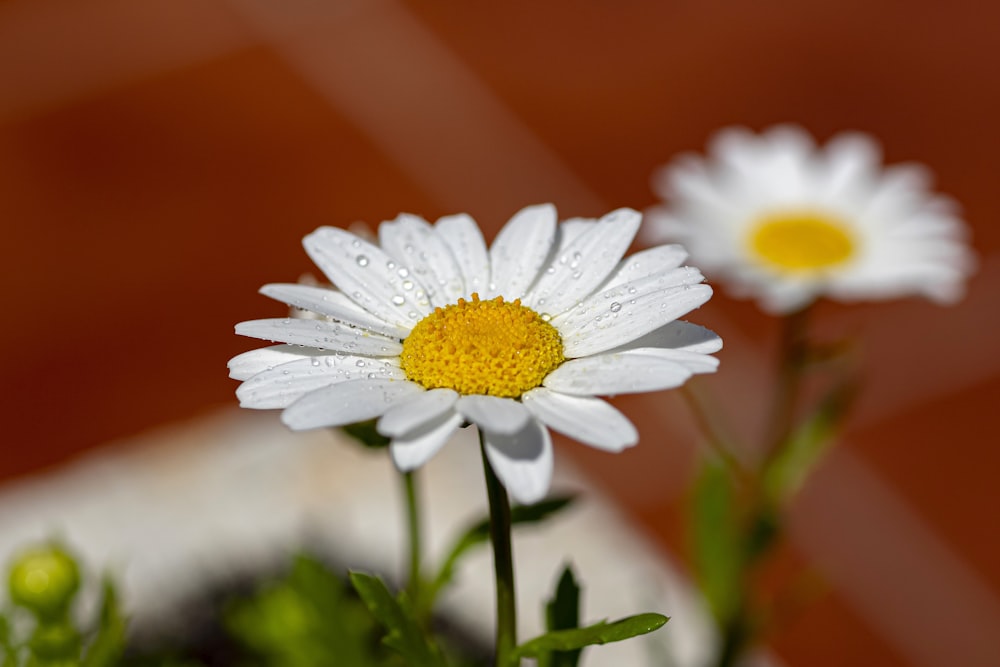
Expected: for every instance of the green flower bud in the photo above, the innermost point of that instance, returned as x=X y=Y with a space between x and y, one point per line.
x=44 y=579
x=53 y=644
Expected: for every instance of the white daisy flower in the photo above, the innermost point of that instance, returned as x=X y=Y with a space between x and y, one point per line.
x=429 y=330
x=783 y=221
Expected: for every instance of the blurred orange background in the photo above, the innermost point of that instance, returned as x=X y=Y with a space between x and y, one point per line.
x=159 y=161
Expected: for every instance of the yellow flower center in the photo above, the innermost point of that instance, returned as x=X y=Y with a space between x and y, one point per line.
x=802 y=242
x=482 y=347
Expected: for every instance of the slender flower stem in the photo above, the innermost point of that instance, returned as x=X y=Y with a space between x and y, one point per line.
x=503 y=564
x=710 y=422
x=413 y=524
x=791 y=364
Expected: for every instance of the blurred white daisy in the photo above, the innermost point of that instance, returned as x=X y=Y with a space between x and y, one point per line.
x=783 y=221
x=429 y=329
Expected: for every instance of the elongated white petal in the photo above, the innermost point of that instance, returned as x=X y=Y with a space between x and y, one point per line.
x=246 y=365
x=677 y=335
x=522 y=461
x=493 y=414
x=696 y=362
x=422 y=408
x=614 y=317
x=412 y=241
x=590 y=420
x=520 y=250
x=347 y=403
x=585 y=263
x=282 y=385
x=619 y=373
x=324 y=335
x=415 y=448
x=462 y=235
x=646 y=263
x=332 y=304
x=367 y=275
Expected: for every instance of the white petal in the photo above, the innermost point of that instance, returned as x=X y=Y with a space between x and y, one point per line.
x=246 y=365
x=346 y=403
x=622 y=314
x=493 y=414
x=696 y=362
x=677 y=335
x=646 y=263
x=408 y=415
x=585 y=263
x=520 y=250
x=282 y=385
x=324 y=335
x=417 y=447
x=366 y=274
x=412 y=241
x=619 y=373
x=522 y=461
x=462 y=234
x=590 y=420
x=333 y=304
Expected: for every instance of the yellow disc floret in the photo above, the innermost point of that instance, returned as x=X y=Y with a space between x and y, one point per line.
x=801 y=242
x=491 y=347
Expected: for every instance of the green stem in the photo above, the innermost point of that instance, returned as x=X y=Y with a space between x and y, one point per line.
x=710 y=423
x=413 y=525
x=760 y=532
x=791 y=364
x=503 y=564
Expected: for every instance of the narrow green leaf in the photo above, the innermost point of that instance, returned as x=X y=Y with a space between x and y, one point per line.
x=716 y=543
x=563 y=613
x=479 y=533
x=109 y=644
x=599 y=633
x=405 y=635
x=787 y=472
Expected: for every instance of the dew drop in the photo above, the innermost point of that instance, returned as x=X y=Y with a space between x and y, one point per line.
x=362 y=260
x=631 y=290
x=356 y=243
x=615 y=307
x=403 y=272
x=315 y=362
x=577 y=274
x=407 y=285
x=360 y=363
x=545 y=317
x=391 y=265
x=398 y=300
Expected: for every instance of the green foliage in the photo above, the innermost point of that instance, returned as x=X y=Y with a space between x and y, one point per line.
x=404 y=633
x=479 y=533
x=109 y=644
x=365 y=433
x=562 y=613
x=305 y=619
x=599 y=633
x=716 y=540
x=43 y=582
x=793 y=463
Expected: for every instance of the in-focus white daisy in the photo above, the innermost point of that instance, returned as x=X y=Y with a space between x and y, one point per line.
x=783 y=221
x=429 y=329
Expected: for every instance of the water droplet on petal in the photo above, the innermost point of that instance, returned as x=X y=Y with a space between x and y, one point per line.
x=615 y=307
x=407 y=285
x=362 y=260
x=398 y=300
x=360 y=363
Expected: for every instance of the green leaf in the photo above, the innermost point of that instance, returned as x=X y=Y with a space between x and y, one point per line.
x=479 y=533
x=563 y=613
x=109 y=645
x=599 y=633
x=716 y=541
x=306 y=618
x=405 y=635
x=788 y=470
x=365 y=433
